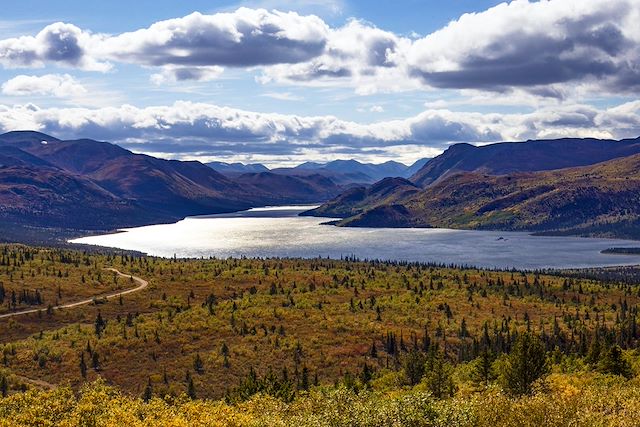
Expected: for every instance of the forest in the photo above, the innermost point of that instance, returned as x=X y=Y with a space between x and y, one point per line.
x=317 y=342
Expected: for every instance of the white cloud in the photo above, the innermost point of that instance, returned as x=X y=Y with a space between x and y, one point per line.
x=244 y=38
x=198 y=130
x=173 y=74
x=356 y=55
x=61 y=44
x=58 y=85
x=282 y=96
x=534 y=45
x=549 y=49
x=315 y=7
x=377 y=109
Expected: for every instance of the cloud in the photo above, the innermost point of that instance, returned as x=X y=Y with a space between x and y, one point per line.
x=244 y=38
x=61 y=44
x=172 y=74
x=533 y=45
x=548 y=48
x=59 y=85
x=199 y=130
x=357 y=55
x=282 y=96
x=315 y=7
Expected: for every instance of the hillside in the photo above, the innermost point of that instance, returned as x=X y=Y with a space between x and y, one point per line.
x=92 y=185
x=292 y=189
x=302 y=338
x=530 y=156
x=597 y=200
x=351 y=202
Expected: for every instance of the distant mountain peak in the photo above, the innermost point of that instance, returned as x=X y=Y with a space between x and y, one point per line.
x=27 y=136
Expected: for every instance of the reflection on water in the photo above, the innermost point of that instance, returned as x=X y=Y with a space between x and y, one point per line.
x=279 y=232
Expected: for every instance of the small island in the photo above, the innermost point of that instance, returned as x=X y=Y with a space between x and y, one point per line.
x=622 y=251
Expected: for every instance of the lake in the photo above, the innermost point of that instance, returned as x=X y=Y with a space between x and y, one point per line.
x=280 y=232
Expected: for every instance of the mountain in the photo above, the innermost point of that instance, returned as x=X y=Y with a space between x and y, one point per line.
x=40 y=196
x=415 y=167
x=530 y=156
x=234 y=169
x=341 y=172
x=349 y=172
x=87 y=184
x=171 y=188
x=293 y=189
x=347 y=179
x=353 y=201
x=601 y=199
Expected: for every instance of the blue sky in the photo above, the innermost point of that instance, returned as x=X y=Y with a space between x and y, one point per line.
x=282 y=81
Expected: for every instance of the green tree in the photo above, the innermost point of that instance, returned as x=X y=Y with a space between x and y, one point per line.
x=483 y=372
x=525 y=364
x=4 y=386
x=83 y=366
x=439 y=376
x=614 y=363
x=413 y=366
x=304 y=383
x=95 y=361
x=100 y=324
x=191 y=389
x=198 y=364
x=148 y=391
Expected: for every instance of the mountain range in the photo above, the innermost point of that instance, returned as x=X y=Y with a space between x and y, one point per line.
x=566 y=186
x=92 y=185
x=341 y=172
x=87 y=184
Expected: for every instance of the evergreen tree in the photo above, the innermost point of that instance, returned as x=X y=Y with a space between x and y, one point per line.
x=614 y=363
x=83 y=366
x=304 y=383
x=100 y=324
x=414 y=367
x=4 y=386
x=191 y=389
x=439 y=376
x=95 y=361
x=525 y=364
x=483 y=368
x=198 y=365
x=595 y=348
x=148 y=391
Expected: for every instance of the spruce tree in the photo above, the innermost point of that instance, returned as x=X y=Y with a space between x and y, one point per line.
x=414 y=367
x=148 y=391
x=198 y=364
x=4 y=386
x=483 y=368
x=191 y=389
x=525 y=364
x=439 y=376
x=614 y=363
x=83 y=366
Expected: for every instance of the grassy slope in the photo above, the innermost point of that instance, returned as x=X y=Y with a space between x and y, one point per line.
x=599 y=200
x=273 y=314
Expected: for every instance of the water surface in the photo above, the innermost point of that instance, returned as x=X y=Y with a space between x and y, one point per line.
x=280 y=232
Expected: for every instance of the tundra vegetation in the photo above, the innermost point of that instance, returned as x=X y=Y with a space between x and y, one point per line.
x=312 y=342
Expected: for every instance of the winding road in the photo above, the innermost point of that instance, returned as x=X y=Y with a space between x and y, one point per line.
x=141 y=285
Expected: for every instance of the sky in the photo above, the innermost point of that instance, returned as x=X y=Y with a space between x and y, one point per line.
x=282 y=82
